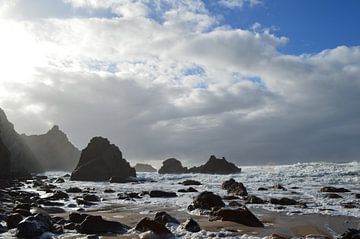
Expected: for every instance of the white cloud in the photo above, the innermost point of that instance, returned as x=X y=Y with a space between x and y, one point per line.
x=176 y=83
x=239 y=3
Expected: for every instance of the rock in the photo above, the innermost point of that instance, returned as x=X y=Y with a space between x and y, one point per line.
x=69 y=226
x=100 y=161
x=91 y=198
x=33 y=226
x=58 y=195
x=262 y=189
x=121 y=179
x=188 y=190
x=12 y=221
x=163 y=218
x=235 y=204
x=279 y=186
x=208 y=200
x=234 y=187
x=59 y=180
x=54 y=210
x=80 y=201
x=216 y=166
x=191 y=225
x=74 y=190
x=53 y=145
x=231 y=197
x=334 y=190
x=97 y=225
x=241 y=215
x=283 y=201
x=109 y=190
x=357 y=195
x=332 y=195
x=190 y=182
x=162 y=194
x=142 y=167
x=254 y=200
x=77 y=217
x=129 y=196
x=172 y=166
x=5 y=161
x=161 y=232
x=351 y=234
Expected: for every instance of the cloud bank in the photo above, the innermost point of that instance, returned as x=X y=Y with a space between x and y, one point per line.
x=167 y=78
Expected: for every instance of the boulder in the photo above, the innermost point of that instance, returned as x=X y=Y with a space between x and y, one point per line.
x=77 y=217
x=332 y=195
x=208 y=200
x=283 y=201
x=142 y=167
x=5 y=161
x=240 y=215
x=162 y=194
x=191 y=225
x=100 y=161
x=53 y=145
x=234 y=187
x=190 y=183
x=160 y=231
x=163 y=218
x=172 y=166
x=74 y=190
x=91 y=198
x=58 y=195
x=252 y=199
x=216 y=166
x=13 y=220
x=188 y=190
x=34 y=226
x=97 y=225
x=334 y=190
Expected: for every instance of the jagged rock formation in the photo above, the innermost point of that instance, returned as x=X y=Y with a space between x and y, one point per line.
x=53 y=150
x=216 y=166
x=22 y=158
x=100 y=161
x=142 y=167
x=172 y=166
x=4 y=161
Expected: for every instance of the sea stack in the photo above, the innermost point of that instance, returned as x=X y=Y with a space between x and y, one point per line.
x=172 y=166
x=100 y=161
x=142 y=167
x=53 y=149
x=4 y=161
x=216 y=166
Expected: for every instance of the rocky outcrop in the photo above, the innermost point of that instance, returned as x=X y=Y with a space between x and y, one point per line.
x=172 y=166
x=22 y=158
x=4 y=161
x=142 y=167
x=53 y=150
x=100 y=161
x=234 y=187
x=216 y=166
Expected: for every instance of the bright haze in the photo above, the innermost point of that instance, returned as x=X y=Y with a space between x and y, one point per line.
x=256 y=81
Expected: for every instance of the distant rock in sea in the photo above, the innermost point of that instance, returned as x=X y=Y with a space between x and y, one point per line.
x=53 y=150
x=216 y=166
x=100 y=161
x=172 y=166
x=22 y=158
x=142 y=167
x=4 y=161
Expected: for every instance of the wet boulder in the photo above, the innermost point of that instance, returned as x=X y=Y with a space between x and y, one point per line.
x=34 y=226
x=188 y=190
x=77 y=217
x=240 y=215
x=191 y=225
x=234 y=187
x=97 y=225
x=163 y=218
x=74 y=190
x=190 y=182
x=13 y=220
x=208 y=200
x=162 y=194
x=252 y=199
x=283 y=201
x=172 y=166
x=159 y=230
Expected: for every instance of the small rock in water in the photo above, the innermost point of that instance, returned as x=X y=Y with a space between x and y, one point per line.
x=163 y=218
x=208 y=200
x=254 y=200
x=77 y=217
x=334 y=190
x=58 y=195
x=74 y=190
x=262 y=189
x=332 y=195
x=191 y=225
x=234 y=187
x=146 y=224
x=109 y=190
x=241 y=215
x=162 y=194
x=190 y=182
x=91 y=198
x=59 y=180
x=188 y=190
x=283 y=201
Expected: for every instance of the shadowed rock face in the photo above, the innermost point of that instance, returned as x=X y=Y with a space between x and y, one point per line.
x=53 y=150
x=172 y=166
x=4 y=161
x=216 y=166
x=142 y=167
x=22 y=158
x=100 y=161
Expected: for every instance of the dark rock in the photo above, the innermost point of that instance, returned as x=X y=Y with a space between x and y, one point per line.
x=332 y=195
x=97 y=225
x=351 y=234
x=172 y=166
x=129 y=196
x=163 y=218
x=12 y=221
x=22 y=212
x=188 y=190
x=231 y=197
x=357 y=195
x=121 y=179
x=191 y=225
x=279 y=186
x=262 y=189
x=25 y=206
x=80 y=201
x=190 y=182
x=60 y=180
x=350 y=205
x=283 y=201
x=5 y=161
x=146 y=224
x=254 y=200
x=58 y=195
x=216 y=166
x=100 y=161
x=91 y=198
x=241 y=215
x=109 y=190
x=142 y=167
x=74 y=190
x=235 y=204
x=234 y=187
x=334 y=190
x=70 y=226
x=77 y=217
x=33 y=226
x=57 y=229
x=54 y=210
x=162 y=194
x=208 y=200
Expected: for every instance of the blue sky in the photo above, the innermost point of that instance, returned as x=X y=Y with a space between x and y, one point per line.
x=310 y=25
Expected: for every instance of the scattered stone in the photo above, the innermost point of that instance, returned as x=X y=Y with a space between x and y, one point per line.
x=60 y=180
x=241 y=215
x=97 y=225
x=74 y=190
x=208 y=200
x=69 y=226
x=191 y=225
x=188 y=190
x=283 y=201
x=190 y=182
x=129 y=196
x=332 y=195
x=162 y=194
x=163 y=218
x=334 y=190
x=172 y=166
x=109 y=190
x=33 y=226
x=58 y=195
x=146 y=224
x=254 y=200
x=91 y=198
x=262 y=189
x=279 y=186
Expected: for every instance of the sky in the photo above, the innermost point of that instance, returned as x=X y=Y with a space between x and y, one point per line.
x=255 y=81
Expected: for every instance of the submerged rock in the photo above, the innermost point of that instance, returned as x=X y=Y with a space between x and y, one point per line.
x=216 y=166
x=101 y=161
x=334 y=190
x=142 y=167
x=172 y=166
x=241 y=215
